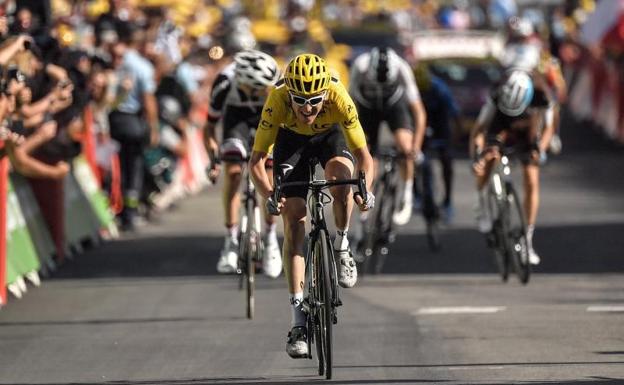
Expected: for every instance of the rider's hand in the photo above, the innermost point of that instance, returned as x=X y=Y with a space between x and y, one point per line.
x=273 y=207
x=215 y=167
x=213 y=171
x=365 y=204
x=478 y=166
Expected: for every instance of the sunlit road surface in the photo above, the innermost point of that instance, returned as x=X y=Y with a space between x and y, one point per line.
x=150 y=308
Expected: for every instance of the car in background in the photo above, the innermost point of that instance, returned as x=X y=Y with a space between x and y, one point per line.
x=468 y=61
x=470 y=82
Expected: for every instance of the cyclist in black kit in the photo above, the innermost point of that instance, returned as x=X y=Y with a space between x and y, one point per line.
x=238 y=95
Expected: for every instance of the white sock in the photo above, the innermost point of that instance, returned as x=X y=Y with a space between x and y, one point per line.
x=530 y=230
x=409 y=190
x=271 y=234
x=341 y=242
x=298 y=317
x=232 y=231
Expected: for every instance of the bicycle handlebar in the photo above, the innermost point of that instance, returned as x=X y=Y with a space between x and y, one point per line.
x=320 y=184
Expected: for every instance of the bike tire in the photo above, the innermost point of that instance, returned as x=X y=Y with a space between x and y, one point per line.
x=243 y=242
x=372 y=233
x=250 y=273
x=323 y=281
x=433 y=235
x=497 y=235
x=384 y=224
x=517 y=244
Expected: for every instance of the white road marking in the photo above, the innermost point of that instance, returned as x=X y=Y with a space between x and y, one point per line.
x=460 y=310
x=606 y=308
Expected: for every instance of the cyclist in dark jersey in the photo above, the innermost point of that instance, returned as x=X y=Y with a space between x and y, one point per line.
x=442 y=111
x=238 y=94
x=512 y=116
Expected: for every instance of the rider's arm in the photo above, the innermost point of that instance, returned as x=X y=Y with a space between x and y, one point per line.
x=477 y=134
x=273 y=113
x=356 y=77
x=365 y=163
x=220 y=89
x=420 y=118
x=416 y=105
x=259 y=174
x=354 y=134
x=549 y=128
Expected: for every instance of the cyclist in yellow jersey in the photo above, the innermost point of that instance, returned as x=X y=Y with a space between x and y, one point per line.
x=310 y=114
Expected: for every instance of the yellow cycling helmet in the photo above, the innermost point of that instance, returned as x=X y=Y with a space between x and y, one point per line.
x=306 y=75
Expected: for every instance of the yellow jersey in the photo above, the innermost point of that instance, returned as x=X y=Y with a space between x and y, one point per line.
x=338 y=108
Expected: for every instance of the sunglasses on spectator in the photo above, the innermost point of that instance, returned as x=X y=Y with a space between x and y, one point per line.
x=301 y=101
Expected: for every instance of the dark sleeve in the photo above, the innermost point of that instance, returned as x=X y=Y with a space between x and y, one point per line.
x=540 y=99
x=447 y=98
x=220 y=89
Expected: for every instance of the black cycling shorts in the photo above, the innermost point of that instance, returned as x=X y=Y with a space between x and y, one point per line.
x=240 y=124
x=396 y=116
x=516 y=140
x=292 y=152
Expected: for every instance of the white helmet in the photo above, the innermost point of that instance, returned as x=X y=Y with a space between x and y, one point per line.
x=383 y=67
x=520 y=27
x=515 y=94
x=255 y=68
x=239 y=40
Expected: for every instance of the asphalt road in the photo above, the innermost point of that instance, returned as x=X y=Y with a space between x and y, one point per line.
x=150 y=308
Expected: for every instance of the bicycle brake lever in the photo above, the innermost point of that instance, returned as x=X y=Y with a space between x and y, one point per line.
x=362 y=185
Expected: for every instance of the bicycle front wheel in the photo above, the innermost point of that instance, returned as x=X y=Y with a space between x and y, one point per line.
x=517 y=244
x=496 y=237
x=323 y=290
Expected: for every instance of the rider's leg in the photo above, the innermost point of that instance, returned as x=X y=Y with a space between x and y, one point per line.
x=294 y=215
x=231 y=196
x=272 y=260
x=342 y=168
x=429 y=209
x=447 y=174
x=484 y=219
x=446 y=161
x=531 y=204
x=403 y=139
x=228 y=261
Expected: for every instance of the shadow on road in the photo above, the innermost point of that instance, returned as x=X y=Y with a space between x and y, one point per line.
x=564 y=249
x=265 y=381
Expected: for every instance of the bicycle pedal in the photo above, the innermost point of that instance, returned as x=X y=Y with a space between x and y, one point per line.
x=338 y=302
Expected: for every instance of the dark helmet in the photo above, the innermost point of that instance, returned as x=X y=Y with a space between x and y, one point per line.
x=169 y=109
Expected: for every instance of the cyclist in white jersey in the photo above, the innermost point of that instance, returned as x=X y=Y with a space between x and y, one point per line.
x=238 y=95
x=383 y=88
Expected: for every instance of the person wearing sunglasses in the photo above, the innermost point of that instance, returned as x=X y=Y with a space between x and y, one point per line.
x=310 y=115
x=383 y=87
x=238 y=95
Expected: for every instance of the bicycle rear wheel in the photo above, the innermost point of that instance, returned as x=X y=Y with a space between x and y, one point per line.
x=324 y=309
x=251 y=273
x=517 y=245
x=370 y=249
x=496 y=237
x=433 y=235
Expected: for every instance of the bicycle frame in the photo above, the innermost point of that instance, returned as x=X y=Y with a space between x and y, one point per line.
x=509 y=238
